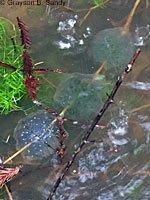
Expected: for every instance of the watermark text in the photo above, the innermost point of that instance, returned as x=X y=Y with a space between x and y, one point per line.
x=32 y=2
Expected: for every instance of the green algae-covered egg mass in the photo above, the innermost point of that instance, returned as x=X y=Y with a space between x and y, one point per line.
x=29 y=129
x=114 y=46
x=83 y=94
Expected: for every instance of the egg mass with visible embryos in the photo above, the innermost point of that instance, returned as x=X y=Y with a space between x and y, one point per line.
x=116 y=47
x=30 y=129
x=83 y=94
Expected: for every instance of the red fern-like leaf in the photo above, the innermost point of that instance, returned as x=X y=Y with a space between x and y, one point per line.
x=27 y=62
x=24 y=34
x=31 y=83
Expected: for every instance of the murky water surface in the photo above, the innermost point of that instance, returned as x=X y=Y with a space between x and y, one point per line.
x=117 y=164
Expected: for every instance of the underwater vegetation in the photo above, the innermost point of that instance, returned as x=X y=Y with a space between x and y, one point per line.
x=23 y=81
x=12 y=88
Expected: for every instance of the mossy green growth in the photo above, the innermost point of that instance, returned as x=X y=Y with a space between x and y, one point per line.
x=12 y=88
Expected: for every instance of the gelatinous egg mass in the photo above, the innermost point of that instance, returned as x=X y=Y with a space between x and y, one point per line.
x=29 y=129
x=114 y=46
x=83 y=94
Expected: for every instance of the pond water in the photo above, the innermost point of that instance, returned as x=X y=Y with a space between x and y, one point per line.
x=117 y=164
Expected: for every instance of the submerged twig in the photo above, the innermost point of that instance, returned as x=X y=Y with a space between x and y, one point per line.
x=126 y=26
x=99 y=70
x=94 y=123
x=139 y=108
x=8 y=192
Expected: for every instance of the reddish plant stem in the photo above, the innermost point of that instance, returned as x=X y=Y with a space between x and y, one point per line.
x=108 y=102
x=84 y=123
x=61 y=137
x=65 y=119
x=32 y=70
x=47 y=70
x=8 y=66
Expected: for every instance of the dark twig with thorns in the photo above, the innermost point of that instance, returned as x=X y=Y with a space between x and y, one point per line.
x=108 y=102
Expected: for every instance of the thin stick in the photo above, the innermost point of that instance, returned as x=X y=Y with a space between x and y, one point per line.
x=46 y=80
x=8 y=192
x=89 y=12
x=126 y=26
x=99 y=70
x=147 y=3
x=95 y=121
x=140 y=108
x=18 y=152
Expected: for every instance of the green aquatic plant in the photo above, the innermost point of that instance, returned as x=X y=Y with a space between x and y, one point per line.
x=16 y=67
x=99 y=3
x=12 y=88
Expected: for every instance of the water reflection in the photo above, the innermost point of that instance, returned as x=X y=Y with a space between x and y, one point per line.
x=138 y=85
x=119 y=128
